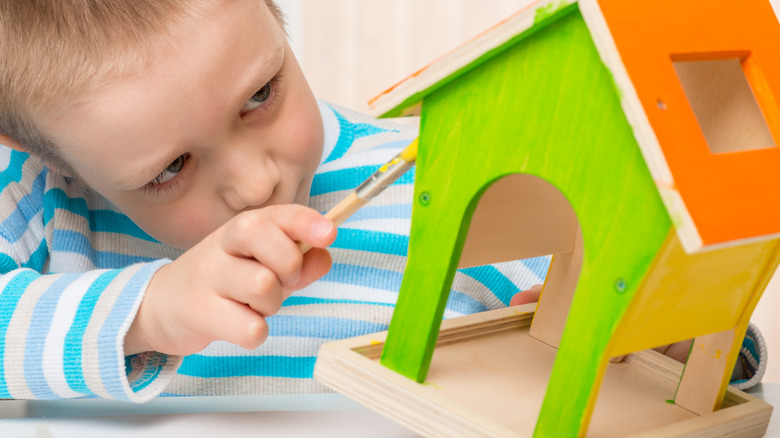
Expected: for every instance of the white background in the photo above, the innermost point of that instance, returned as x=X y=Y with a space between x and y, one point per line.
x=351 y=50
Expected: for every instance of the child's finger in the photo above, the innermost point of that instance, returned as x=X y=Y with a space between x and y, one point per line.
x=277 y=252
x=306 y=225
x=617 y=359
x=269 y=237
x=236 y=323
x=255 y=285
x=531 y=295
x=316 y=263
x=299 y=223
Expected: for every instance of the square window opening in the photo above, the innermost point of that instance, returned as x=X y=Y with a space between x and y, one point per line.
x=724 y=104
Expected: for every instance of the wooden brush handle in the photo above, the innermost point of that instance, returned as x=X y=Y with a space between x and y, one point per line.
x=338 y=214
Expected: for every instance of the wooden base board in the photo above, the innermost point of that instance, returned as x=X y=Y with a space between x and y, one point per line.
x=488 y=378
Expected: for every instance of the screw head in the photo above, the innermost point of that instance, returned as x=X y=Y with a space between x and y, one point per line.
x=425 y=198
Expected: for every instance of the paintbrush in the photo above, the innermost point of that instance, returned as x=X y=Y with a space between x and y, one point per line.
x=368 y=189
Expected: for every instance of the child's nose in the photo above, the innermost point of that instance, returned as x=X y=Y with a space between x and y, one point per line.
x=251 y=183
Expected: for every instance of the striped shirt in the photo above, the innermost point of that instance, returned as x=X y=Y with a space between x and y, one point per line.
x=74 y=271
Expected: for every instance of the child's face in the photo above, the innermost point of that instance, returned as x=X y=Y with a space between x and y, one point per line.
x=223 y=123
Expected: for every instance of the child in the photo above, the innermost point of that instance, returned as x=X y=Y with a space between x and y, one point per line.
x=158 y=130
x=162 y=157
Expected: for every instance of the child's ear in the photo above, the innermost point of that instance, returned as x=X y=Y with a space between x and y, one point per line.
x=9 y=141
x=12 y=143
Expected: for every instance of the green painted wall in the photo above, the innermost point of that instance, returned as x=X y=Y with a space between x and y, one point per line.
x=545 y=106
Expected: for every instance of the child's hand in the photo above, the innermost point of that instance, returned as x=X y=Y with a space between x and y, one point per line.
x=225 y=286
x=530 y=295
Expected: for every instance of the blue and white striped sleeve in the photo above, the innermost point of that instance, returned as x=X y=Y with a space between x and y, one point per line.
x=62 y=336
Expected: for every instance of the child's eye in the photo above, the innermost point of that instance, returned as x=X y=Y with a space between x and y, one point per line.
x=171 y=171
x=258 y=99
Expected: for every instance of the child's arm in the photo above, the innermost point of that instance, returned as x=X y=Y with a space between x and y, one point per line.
x=63 y=335
x=60 y=335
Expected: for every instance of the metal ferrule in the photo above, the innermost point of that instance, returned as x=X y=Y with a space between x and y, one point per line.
x=382 y=178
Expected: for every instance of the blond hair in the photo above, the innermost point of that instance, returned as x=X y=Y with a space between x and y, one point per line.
x=55 y=50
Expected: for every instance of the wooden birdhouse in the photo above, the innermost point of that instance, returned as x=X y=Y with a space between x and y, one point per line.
x=634 y=141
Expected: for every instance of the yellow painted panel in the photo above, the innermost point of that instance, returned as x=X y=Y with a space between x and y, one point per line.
x=683 y=296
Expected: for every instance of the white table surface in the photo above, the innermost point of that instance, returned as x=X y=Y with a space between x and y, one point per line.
x=320 y=415
x=316 y=415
